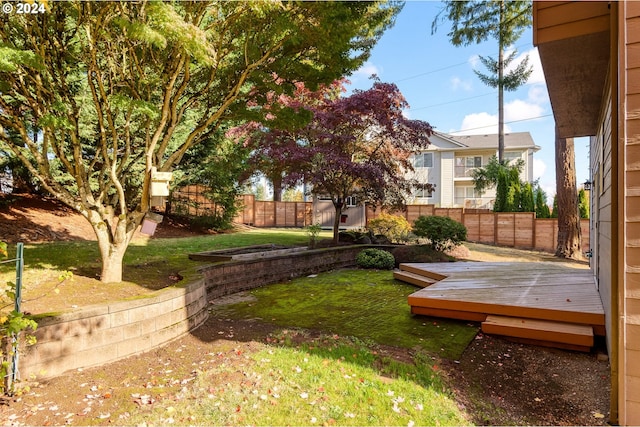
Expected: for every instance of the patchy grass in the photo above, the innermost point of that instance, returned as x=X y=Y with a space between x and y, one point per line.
x=327 y=380
x=149 y=264
x=363 y=303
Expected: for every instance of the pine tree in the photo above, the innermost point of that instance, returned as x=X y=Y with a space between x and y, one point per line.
x=475 y=21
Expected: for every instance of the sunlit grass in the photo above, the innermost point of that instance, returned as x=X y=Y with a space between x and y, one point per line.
x=325 y=381
x=148 y=264
x=364 y=303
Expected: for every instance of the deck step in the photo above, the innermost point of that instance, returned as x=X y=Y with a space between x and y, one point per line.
x=413 y=278
x=420 y=271
x=540 y=330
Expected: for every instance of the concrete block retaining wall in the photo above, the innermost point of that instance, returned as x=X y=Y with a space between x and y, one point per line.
x=104 y=333
x=236 y=276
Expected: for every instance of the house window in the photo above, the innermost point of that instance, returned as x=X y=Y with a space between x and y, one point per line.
x=423 y=193
x=469 y=162
x=351 y=202
x=423 y=160
x=512 y=156
x=466 y=165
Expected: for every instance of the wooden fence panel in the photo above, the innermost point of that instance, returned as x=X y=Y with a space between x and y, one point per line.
x=265 y=214
x=415 y=211
x=280 y=219
x=523 y=233
x=246 y=212
x=487 y=228
x=506 y=229
x=303 y=214
x=453 y=213
x=472 y=222
x=546 y=235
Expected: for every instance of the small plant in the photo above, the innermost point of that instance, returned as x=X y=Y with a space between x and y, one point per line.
x=394 y=227
x=443 y=233
x=375 y=258
x=313 y=231
x=12 y=324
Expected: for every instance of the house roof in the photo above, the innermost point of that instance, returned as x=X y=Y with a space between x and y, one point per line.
x=490 y=141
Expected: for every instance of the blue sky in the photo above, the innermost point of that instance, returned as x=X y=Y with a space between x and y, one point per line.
x=438 y=81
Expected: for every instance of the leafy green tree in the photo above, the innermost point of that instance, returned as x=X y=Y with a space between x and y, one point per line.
x=476 y=21
x=505 y=178
x=217 y=163
x=527 y=203
x=583 y=204
x=554 y=208
x=117 y=89
x=542 y=209
x=443 y=232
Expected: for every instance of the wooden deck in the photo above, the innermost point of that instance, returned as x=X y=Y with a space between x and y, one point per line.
x=546 y=301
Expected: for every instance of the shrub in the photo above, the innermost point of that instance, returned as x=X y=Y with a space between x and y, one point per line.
x=442 y=232
x=375 y=258
x=394 y=227
x=313 y=230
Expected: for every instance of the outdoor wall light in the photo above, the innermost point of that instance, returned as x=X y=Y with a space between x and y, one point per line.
x=587 y=185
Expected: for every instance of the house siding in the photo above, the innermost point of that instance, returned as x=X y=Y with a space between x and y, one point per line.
x=630 y=164
x=601 y=211
x=446 y=174
x=559 y=20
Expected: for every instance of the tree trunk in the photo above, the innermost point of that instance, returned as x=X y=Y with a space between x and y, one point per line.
x=113 y=241
x=501 y=90
x=336 y=222
x=276 y=180
x=569 y=231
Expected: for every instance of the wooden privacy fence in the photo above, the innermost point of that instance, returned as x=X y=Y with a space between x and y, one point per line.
x=273 y=214
x=513 y=229
x=192 y=200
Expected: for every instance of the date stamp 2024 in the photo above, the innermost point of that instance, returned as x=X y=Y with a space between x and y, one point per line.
x=24 y=8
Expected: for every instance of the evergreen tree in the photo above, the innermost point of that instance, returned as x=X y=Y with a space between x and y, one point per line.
x=542 y=209
x=554 y=210
x=527 y=203
x=475 y=21
x=583 y=204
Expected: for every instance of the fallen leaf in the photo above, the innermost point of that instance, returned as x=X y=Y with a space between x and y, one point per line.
x=598 y=415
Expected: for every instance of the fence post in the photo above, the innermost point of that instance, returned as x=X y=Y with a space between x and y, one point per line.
x=18 y=301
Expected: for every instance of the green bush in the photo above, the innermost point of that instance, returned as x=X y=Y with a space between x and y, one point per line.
x=375 y=258
x=394 y=227
x=442 y=232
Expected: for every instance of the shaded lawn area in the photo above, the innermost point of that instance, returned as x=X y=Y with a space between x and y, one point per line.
x=367 y=304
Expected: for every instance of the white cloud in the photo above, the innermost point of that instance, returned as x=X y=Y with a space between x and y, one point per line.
x=539 y=168
x=521 y=110
x=474 y=61
x=457 y=83
x=537 y=76
x=538 y=94
x=479 y=123
x=365 y=71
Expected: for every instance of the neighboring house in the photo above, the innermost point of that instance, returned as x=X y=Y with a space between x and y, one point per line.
x=590 y=53
x=450 y=160
x=353 y=216
x=448 y=163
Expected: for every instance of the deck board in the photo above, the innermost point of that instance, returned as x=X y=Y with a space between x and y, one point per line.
x=543 y=290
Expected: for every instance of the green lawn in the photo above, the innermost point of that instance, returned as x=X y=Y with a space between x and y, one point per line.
x=368 y=304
